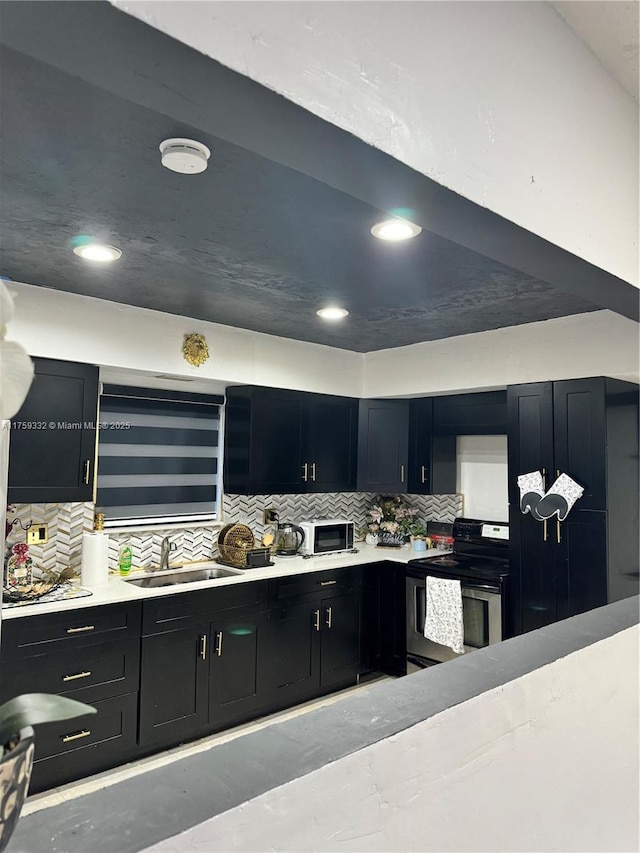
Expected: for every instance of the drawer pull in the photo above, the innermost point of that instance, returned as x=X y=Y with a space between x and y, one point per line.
x=219 y=644
x=316 y=619
x=76 y=736
x=327 y=583
x=87 y=469
x=313 y=471
x=423 y=474
x=81 y=630
x=76 y=676
x=203 y=647
x=329 y=617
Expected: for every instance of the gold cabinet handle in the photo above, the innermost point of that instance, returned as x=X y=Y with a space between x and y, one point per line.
x=423 y=474
x=544 y=530
x=316 y=619
x=313 y=471
x=219 y=644
x=328 y=583
x=558 y=533
x=76 y=676
x=81 y=630
x=402 y=473
x=76 y=736
x=87 y=468
x=203 y=647
x=305 y=472
x=329 y=616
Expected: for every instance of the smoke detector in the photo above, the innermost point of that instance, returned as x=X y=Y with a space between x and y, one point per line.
x=186 y=156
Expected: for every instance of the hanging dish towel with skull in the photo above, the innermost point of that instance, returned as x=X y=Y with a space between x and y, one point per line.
x=444 y=623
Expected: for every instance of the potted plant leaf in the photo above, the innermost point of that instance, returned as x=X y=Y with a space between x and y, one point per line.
x=17 y=716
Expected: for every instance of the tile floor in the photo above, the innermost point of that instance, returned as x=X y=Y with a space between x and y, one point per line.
x=55 y=796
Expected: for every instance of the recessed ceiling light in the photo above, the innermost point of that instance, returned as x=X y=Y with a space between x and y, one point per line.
x=332 y=313
x=97 y=252
x=395 y=229
x=186 y=156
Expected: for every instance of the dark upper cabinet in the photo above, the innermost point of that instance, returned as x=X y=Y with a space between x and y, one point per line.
x=588 y=429
x=432 y=458
x=484 y=413
x=53 y=459
x=285 y=442
x=579 y=435
x=331 y=443
x=383 y=446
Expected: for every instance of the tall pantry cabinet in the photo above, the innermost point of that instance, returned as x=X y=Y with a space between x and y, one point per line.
x=588 y=429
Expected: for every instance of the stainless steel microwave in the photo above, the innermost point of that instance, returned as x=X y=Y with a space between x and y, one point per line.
x=327 y=536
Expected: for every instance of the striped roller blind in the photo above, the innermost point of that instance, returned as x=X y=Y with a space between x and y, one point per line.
x=158 y=454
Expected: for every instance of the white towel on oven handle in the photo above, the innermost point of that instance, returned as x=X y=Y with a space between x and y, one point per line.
x=444 y=622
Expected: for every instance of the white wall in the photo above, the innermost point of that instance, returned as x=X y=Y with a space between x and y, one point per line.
x=500 y=101
x=548 y=762
x=598 y=344
x=482 y=476
x=53 y=324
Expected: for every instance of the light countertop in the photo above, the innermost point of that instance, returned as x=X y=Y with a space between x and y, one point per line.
x=118 y=590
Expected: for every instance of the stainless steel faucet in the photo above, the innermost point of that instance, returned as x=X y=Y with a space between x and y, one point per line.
x=165 y=550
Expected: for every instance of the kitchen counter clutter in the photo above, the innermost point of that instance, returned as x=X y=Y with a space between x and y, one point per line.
x=166 y=665
x=119 y=590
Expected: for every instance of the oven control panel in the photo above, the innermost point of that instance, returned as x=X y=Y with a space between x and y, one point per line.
x=495 y=531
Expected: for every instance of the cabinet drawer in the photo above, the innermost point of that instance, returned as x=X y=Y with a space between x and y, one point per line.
x=185 y=609
x=68 y=629
x=308 y=586
x=88 y=674
x=74 y=748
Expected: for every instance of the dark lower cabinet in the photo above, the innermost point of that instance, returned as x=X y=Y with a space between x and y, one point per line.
x=234 y=668
x=174 y=701
x=341 y=653
x=581 y=562
x=292 y=660
x=385 y=618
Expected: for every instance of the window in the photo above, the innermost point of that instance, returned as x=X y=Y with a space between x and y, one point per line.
x=158 y=455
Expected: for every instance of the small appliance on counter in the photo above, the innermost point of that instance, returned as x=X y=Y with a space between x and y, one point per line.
x=480 y=561
x=289 y=539
x=327 y=536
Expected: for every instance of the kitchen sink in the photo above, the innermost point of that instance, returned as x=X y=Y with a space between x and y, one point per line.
x=171 y=577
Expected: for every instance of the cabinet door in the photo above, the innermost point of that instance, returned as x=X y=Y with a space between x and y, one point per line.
x=331 y=444
x=471 y=414
x=174 y=685
x=580 y=437
x=419 y=465
x=383 y=442
x=532 y=579
x=53 y=436
x=292 y=659
x=234 y=688
x=581 y=562
x=276 y=443
x=341 y=648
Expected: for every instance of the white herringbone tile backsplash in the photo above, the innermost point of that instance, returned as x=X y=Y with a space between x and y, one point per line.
x=349 y=505
x=68 y=521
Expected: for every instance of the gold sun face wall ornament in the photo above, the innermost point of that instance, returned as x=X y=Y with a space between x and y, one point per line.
x=195 y=349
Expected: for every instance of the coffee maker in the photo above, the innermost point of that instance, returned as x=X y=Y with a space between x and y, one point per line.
x=289 y=538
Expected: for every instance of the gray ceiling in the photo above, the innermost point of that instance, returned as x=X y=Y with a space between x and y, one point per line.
x=249 y=243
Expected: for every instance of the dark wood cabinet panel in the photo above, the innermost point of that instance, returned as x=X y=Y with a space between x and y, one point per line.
x=588 y=429
x=385 y=618
x=53 y=459
x=292 y=665
x=235 y=689
x=432 y=458
x=580 y=437
x=331 y=444
x=383 y=445
x=484 y=413
x=342 y=640
x=70 y=749
x=287 y=442
x=174 y=685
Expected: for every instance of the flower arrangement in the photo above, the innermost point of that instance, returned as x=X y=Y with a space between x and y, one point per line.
x=390 y=514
